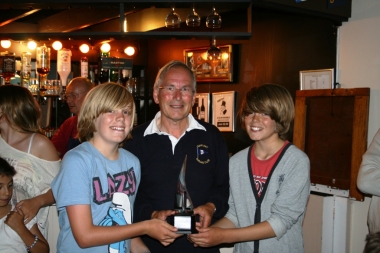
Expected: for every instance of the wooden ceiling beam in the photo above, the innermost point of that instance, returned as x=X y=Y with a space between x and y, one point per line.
x=6 y=22
x=76 y=19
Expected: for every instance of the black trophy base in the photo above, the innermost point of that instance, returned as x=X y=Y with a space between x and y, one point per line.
x=185 y=222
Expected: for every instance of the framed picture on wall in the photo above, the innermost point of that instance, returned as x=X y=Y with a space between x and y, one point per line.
x=207 y=70
x=317 y=79
x=223 y=110
x=201 y=107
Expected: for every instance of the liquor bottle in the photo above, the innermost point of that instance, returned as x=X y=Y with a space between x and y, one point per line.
x=195 y=108
x=103 y=73
x=125 y=77
x=26 y=68
x=63 y=67
x=43 y=61
x=91 y=74
x=84 y=66
x=8 y=66
x=120 y=78
x=114 y=75
x=18 y=68
x=202 y=112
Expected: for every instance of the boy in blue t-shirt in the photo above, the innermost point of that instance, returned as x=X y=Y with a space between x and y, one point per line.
x=96 y=187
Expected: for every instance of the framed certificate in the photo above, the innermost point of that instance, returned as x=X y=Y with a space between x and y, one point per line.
x=317 y=79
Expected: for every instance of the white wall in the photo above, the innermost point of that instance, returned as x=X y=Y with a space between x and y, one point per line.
x=359 y=66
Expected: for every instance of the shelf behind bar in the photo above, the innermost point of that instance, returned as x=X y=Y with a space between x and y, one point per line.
x=129 y=35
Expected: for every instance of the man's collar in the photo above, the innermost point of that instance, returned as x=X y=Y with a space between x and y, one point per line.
x=153 y=129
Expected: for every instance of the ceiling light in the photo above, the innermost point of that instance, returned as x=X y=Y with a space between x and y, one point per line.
x=6 y=43
x=105 y=48
x=57 y=45
x=130 y=51
x=84 y=48
x=32 y=45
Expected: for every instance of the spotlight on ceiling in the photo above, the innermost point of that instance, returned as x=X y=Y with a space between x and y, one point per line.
x=84 y=48
x=6 y=43
x=105 y=48
x=57 y=45
x=130 y=51
x=32 y=45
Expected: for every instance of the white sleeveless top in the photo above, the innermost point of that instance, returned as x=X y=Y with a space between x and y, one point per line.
x=33 y=177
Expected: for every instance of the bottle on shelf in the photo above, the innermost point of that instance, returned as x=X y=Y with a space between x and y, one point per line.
x=141 y=83
x=84 y=66
x=202 y=111
x=124 y=77
x=114 y=75
x=195 y=108
x=26 y=69
x=18 y=69
x=8 y=66
x=104 y=75
x=64 y=67
x=91 y=74
x=96 y=76
x=43 y=64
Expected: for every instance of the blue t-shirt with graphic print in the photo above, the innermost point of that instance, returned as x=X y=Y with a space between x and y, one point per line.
x=86 y=177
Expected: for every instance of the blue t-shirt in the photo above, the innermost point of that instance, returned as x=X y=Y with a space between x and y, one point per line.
x=86 y=177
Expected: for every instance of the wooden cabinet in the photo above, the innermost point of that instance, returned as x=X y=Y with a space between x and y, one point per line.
x=331 y=127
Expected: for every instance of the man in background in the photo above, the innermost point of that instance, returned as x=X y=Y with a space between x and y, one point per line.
x=65 y=139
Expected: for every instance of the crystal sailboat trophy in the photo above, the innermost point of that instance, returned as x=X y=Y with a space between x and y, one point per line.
x=184 y=219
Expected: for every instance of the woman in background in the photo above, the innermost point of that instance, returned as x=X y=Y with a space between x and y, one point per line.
x=31 y=153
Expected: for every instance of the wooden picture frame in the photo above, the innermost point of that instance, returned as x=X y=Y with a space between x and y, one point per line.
x=331 y=126
x=223 y=110
x=317 y=79
x=207 y=70
x=201 y=107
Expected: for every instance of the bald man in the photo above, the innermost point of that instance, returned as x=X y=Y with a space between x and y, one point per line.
x=65 y=139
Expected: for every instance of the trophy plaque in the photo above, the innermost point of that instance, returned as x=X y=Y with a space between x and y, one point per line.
x=184 y=219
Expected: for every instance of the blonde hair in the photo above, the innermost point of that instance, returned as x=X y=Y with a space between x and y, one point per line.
x=99 y=100
x=273 y=100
